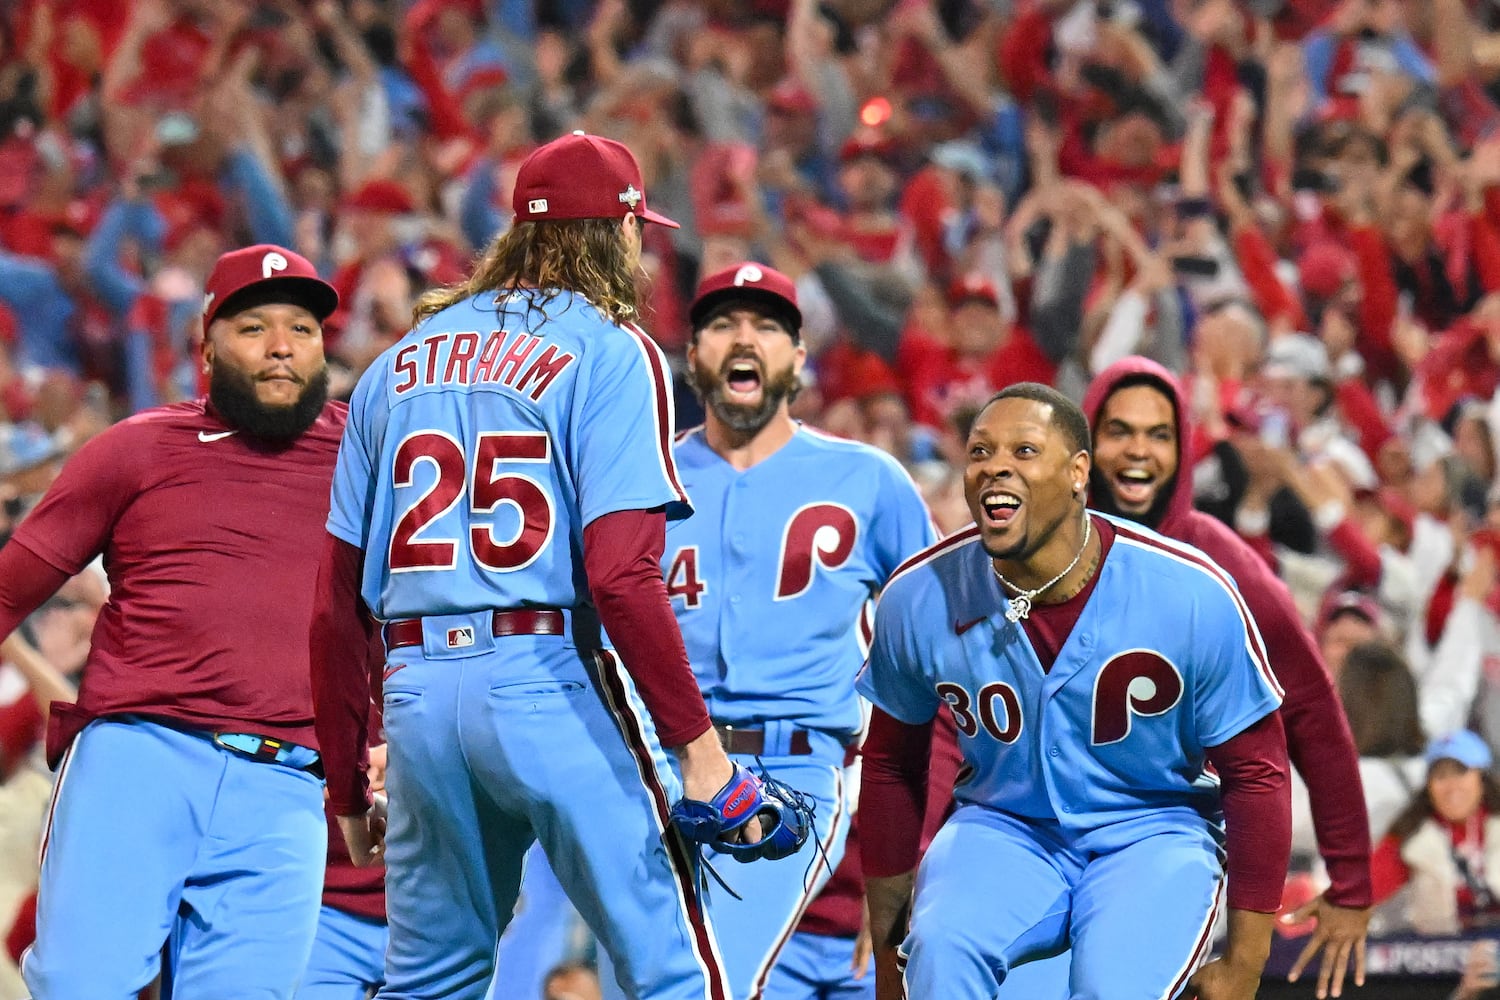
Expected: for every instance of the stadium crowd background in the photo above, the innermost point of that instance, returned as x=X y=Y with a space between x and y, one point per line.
x=1293 y=204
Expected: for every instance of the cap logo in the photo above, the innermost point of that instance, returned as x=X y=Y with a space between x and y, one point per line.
x=748 y=273
x=271 y=263
x=631 y=196
x=208 y=300
x=536 y=206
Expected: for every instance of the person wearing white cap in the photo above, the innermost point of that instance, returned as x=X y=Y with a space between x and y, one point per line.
x=1299 y=383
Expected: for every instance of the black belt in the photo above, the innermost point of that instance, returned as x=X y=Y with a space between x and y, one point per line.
x=752 y=742
x=522 y=621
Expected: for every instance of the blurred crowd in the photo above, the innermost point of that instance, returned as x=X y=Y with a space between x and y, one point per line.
x=1292 y=204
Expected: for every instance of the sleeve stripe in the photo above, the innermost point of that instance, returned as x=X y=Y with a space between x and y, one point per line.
x=930 y=553
x=663 y=413
x=1192 y=557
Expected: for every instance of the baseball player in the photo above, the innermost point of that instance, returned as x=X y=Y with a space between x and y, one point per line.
x=795 y=533
x=503 y=490
x=187 y=798
x=1093 y=670
x=1139 y=419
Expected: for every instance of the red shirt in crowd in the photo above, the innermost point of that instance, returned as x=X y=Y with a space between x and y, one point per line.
x=938 y=378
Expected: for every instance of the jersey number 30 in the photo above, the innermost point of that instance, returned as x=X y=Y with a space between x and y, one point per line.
x=488 y=486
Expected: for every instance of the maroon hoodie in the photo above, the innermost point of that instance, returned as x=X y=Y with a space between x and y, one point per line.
x=1317 y=733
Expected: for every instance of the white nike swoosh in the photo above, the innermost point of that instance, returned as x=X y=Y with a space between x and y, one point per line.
x=206 y=437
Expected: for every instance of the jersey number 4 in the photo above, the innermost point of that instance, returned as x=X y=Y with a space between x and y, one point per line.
x=682 y=577
x=487 y=484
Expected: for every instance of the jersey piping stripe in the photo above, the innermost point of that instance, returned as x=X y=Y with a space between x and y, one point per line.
x=809 y=892
x=1200 y=949
x=1253 y=641
x=57 y=791
x=961 y=537
x=684 y=435
x=662 y=413
x=705 y=949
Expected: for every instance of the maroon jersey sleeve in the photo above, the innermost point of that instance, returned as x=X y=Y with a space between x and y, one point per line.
x=1317 y=733
x=341 y=677
x=26 y=581
x=894 y=788
x=1252 y=768
x=622 y=556
x=360 y=891
x=945 y=765
x=71 y=524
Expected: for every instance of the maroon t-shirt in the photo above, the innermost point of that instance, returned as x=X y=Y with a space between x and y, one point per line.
x=211 y=541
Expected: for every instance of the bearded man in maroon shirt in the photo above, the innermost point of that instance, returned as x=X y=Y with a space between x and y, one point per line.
x=189 y=801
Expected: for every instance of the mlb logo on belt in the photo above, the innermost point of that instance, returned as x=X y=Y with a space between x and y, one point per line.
x=458 y=638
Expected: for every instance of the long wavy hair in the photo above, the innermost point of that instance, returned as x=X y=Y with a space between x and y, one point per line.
x=1379 y=696
x=587 y=256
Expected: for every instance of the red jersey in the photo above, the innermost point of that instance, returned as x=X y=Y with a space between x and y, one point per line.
x=211 y=541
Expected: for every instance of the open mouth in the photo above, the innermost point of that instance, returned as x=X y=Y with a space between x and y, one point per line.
x=1000 y=508
x=743 y=380
x=1135 y=486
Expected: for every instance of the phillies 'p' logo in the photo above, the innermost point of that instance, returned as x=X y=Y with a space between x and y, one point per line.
x=748 y=273
x=820 y=534
x=1135 y=682
x=271 y=263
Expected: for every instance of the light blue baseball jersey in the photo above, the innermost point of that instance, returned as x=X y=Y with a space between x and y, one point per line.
x=771 y=581
x=482 y=443
x=1163 y=662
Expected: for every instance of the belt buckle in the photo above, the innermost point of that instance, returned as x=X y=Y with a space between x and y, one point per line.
x=262 y=748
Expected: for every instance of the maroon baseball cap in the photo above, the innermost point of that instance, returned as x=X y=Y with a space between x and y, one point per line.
x=748 y=282
x=272 y=274
x=1348 y=602
x=581 y=176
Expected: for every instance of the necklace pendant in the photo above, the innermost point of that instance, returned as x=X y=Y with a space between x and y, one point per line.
x=1020 y=608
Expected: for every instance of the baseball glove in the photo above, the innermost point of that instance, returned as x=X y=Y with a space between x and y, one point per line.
x=786 y=817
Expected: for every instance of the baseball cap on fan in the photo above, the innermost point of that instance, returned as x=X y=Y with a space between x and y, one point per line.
x=1463 y=746
x=581 y=176
x=757 y=284
x=261 y=274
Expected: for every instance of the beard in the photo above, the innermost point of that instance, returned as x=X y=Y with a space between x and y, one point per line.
x=742 y=418
x=232 y=393
x=1102 y=498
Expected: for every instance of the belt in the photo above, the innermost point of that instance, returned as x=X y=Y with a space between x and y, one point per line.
x=543 y=621
x=270 y=751
x=753 y=741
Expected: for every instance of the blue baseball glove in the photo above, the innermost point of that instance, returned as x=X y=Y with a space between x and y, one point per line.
x=785 y=814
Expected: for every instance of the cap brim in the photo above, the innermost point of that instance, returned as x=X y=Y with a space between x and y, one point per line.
x=313 y=294
x=778 y=306
x=658 y=218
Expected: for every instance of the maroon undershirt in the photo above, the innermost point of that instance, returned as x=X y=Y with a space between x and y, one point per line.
x=1252 y=768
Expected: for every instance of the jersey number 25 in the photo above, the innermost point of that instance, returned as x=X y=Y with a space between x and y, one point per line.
x=488 y=486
